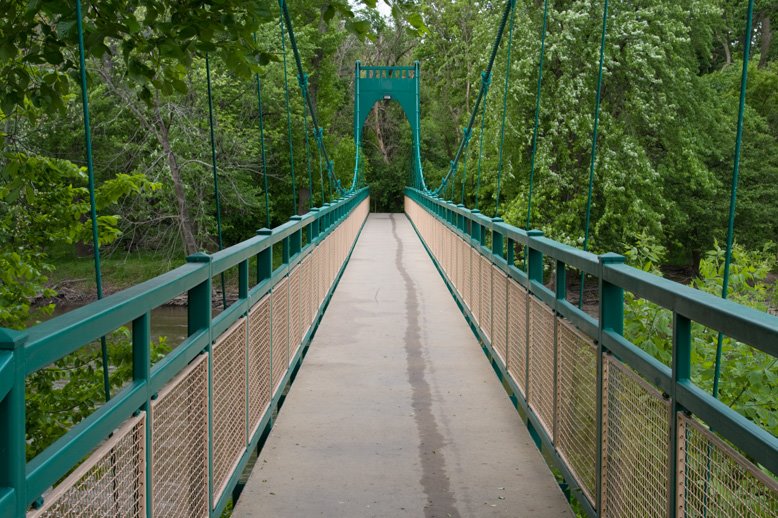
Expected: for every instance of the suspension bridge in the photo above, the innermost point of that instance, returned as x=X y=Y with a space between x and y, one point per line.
x=426 y=363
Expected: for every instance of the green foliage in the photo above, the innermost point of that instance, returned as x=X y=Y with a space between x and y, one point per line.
x=44 y=202
x=749 y=377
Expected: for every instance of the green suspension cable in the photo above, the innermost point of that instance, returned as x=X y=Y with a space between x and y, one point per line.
x=321 y=179
x=464 y=172
x=288 y=118
x=504 y=109
x=537 y=115
x=303 y=80
x=215 y=171
x=593 y=156
x=733 y=190
x=450 y=186
x=485 y=82
x=262 y=146
x=92 y=202
x=286 y=21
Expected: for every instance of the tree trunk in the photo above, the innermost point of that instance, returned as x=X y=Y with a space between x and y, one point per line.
x=187 y=234
x=727 y=54
x=767 y=37
x=379 y=134
x=154 y=123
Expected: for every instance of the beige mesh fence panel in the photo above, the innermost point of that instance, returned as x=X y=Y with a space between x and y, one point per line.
x=541 y=363
x=320 y=267
x=443 y=256
x=475 y=284
x=110 y=483
x=333 y=256
x=450 y=251
x=259 y=361
x=576 y=419
x=716 y=481
x=179 y=453
x=279 y=346
x=485 y=320
x=500 y=313
x=228 y=404
x=517 y=334
x=467 y=272
x=305 y=292
x=328 y=261
x=636 y=430
x=295 y=319
x=460 y=266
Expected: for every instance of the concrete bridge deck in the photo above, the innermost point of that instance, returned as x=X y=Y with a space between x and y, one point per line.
x=395 y=411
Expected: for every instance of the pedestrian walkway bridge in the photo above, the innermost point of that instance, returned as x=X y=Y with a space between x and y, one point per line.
x=403 y=321
x=396 y=411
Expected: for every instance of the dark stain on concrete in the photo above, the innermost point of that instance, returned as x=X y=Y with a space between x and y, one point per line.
x=434 y=479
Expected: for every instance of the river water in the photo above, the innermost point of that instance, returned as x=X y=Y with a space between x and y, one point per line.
x=167 y=321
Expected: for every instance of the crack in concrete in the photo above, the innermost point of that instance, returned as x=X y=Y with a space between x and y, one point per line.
x=434 y=480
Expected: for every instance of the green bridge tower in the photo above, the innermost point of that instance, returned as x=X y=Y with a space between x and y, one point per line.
x=397 y=83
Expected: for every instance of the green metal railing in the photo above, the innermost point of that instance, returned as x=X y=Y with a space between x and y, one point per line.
x=494 y=241
x=22 y=353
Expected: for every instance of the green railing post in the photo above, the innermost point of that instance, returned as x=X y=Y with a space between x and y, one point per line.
x=198 y=319
x=141 y=372
x=460 y=218
x=498 y=242
x=324 y=221
x=286 y=249
x=243 y=280
x=264 y=258
x=296 y=239
x=681 y=372
x=535 y=260
x=560 y=295
x=13 y=440
x=510 y=249
x=314 y=226
x=611 y=319
x=534 y=273
x=475 y=228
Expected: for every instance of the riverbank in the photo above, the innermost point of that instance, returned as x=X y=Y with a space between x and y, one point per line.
x=74 y=282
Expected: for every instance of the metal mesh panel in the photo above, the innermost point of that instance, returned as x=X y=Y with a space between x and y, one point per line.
x=279 y=346
x=450 y=251
x=460 y=273
x=576 y=433
x=715 y=480
x=259 y=361
x=541 y=363
x=326 y=261
x=305 y=293
x=319 y=276
x=295 y=318
x=315 y=300
x=228 y=404
x=636 y=427
x=499 y=312
x=467 y=270
x=475 y=284
x=517 y=333
x=485 y=319
x=110 y=483
x=180 y=444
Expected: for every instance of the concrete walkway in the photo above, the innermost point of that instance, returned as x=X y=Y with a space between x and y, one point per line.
x=396 y=411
